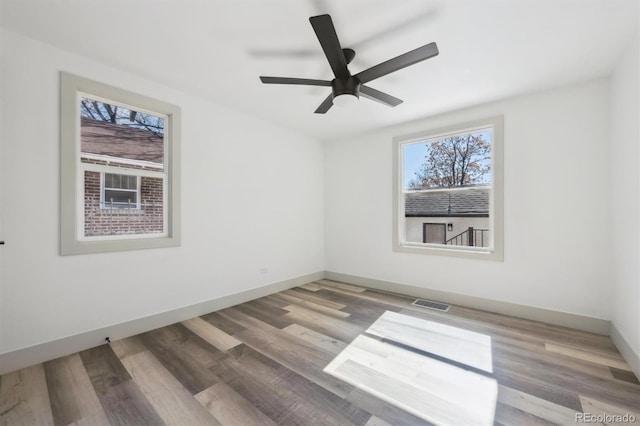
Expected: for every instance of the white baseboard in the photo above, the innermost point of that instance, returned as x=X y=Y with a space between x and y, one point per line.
x=627 y=352
x=20 y=358
x=580 y=322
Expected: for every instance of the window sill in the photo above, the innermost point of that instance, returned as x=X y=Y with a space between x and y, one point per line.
x=438 y=250
x=122 y=212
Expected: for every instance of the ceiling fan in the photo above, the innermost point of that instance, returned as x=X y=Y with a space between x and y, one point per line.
x=346 y=87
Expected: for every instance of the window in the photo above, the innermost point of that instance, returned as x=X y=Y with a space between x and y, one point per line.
x=448 y=191
x=119 y=169
x=119 y=192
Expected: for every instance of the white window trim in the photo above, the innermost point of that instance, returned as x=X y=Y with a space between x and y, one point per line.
x=103 y=188
x=121 y=161
x=72 y=240
x=496 y=198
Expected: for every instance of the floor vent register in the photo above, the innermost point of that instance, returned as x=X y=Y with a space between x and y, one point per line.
x=430 y=304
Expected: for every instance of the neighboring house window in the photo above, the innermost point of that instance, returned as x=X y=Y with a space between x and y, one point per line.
x=448 y=191
x=120 y=191
x=119 y=165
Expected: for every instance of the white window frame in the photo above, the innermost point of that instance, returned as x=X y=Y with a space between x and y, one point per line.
x=496 y=197
x=72 y=239
x=103 y=189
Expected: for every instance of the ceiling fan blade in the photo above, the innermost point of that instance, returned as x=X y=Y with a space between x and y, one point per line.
x=300 y=81
x=326 y=33
x=413 y=57
x=325 y=105
x=376 y=95
x=419 y=19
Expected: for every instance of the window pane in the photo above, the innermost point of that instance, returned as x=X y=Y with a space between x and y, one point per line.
x=452 y=217
x=114 y=135
x=453 y=161
x=124 y=198
x=120 y=181
x=447 y=188
x=131 y=182
x=124 y=211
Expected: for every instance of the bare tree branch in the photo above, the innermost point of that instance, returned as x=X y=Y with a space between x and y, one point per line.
x=453 y=162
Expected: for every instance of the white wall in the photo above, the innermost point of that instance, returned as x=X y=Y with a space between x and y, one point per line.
x=252 y=197
x=624 y=197
x=556 y=206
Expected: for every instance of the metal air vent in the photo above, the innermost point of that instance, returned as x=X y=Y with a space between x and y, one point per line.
x=430 y=304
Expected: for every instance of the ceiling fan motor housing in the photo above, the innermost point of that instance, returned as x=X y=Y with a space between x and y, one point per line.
x=349 y=86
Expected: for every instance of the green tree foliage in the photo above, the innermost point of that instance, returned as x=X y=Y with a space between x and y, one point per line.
x=453 y=162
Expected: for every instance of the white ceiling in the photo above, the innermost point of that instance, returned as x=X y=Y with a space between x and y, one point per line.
x=489 y=49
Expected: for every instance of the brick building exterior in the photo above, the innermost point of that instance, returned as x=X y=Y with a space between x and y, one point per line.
x=130 y=150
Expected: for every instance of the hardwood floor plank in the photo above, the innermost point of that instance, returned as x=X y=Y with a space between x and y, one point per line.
x=174 y=404
x=297 y=294
x=211 y=334
x=231 y=409
x=121 y=399
x=558 y=377
x=626 y=376
x=376 y=421
x=335 y=327
x=168 y=344
x=257 y=394
x=534 y=354
x=573 y=352
x=538 y=387
x=371 y=308
x=92 y=420
x=320 y=340
x=224 y=324
x=383 y=410
x=302 y=299
x=539 y=407
x=103 y=367
x=307 y=361
x=298 y=355
x=274 y=300
x=275 y=389
x=276 y=319
x=248 y=321
x=24 y=398
x=73 y=398
x=311 y=287
x=597 y=407
x=318 y=308
x=510 y=416
x=374 y=298
x=535 y=330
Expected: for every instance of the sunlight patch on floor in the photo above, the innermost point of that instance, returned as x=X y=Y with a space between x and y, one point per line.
x=423 y=385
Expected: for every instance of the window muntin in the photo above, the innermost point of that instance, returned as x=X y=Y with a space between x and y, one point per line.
x=119 y=164
x=120 y=191
x=449 y=181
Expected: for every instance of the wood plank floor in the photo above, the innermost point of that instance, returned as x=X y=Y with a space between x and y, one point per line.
x=261 y=363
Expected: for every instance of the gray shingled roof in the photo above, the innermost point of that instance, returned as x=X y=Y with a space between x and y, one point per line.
x=117 y=140
x=469 y=203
